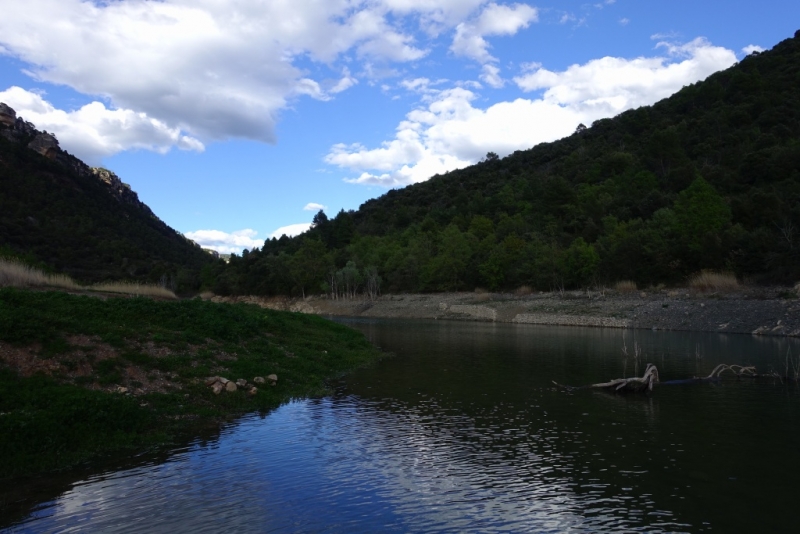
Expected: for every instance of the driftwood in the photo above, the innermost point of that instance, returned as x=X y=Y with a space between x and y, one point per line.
x=650 y=378
x=636 y=384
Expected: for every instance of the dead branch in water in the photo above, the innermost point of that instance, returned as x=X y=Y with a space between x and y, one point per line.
x=650 y=378
x=635 y=384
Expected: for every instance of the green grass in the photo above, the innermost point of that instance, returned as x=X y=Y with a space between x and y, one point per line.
x=52 y=422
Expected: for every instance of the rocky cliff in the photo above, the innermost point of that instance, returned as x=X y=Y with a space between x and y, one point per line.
x=18 y=130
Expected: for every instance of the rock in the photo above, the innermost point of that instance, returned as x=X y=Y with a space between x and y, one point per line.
x=45 y=144
x=211 y=380
x=230 y=386
x=223 y=380
x=259 y=380
x=7 y=115
x=241 y=382
x=122 y=390
x=253 y=391
x=217 y=388
x=272 y=378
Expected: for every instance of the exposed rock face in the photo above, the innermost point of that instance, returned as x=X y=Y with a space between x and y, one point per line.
x=7 y=115
x=45 y=144
x=119 y=189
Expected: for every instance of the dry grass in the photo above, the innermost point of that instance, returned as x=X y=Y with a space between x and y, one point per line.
x=133 y=288
x=523 y=290
x=16 y=274
x=206 y=295
x=625 y=286
x=714 y=281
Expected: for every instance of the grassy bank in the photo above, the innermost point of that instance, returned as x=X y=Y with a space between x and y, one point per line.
x=82 y=377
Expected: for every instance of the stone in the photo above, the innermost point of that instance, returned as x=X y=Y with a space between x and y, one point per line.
x=122 y=390
x=211 y=380
x=253 y=391
x=223 y=380
x=272 y=378
x=7 y=115
x=230 y=386
x=259 y=380
x=45 y=144
x=241 y=382
x=217 y=388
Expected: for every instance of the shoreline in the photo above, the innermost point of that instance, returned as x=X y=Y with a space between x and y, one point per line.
x=754 y=311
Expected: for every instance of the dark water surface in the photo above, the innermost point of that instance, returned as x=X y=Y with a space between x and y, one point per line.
x=463 y=431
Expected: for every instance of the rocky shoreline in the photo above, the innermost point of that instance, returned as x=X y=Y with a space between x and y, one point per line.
x=756 y=311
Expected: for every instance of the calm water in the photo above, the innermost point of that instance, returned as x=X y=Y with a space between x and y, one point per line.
x=462 y=431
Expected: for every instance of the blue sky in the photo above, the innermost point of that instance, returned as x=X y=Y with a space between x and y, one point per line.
x=229 y=117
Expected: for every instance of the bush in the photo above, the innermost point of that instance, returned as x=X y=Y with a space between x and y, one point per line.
x=714 y=281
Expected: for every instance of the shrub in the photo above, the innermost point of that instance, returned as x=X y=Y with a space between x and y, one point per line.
x=714 y=281
x=625 y=286
x=523 y=290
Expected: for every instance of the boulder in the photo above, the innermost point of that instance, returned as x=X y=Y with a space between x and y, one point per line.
x=273 y=379
x=230 y=386
x=259 y=380
x=217 y=388
x=253 y=391
x=241 y=383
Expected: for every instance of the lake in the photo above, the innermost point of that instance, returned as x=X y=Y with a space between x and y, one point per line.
x=462 y=430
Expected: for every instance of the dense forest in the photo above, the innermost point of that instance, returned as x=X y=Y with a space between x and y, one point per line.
x=706 y=179
x=58 y=215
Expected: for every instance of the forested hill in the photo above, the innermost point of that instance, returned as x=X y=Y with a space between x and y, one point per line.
x=706 y=179
x=60 y=214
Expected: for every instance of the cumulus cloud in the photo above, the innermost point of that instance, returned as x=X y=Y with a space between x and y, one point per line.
x=749 y=49
x=452 y=132
x=313 y=206
x=290 y=230
x=94 y=131
x=495 y=19
x=224 y=242
x=218 y=69
x=607 y=86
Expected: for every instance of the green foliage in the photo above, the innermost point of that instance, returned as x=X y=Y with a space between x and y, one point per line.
x=51 y=422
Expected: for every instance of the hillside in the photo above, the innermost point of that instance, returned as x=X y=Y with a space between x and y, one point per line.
x=58 y=213
x=706 y=179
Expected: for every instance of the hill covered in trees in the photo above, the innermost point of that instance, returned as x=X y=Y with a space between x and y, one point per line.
x=61 y=215
x=706 y=179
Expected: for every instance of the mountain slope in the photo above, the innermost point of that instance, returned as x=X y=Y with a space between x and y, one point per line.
x=706 y=179
x=57 y=212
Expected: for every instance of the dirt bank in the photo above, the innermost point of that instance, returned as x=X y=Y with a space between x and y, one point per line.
x=758 y=311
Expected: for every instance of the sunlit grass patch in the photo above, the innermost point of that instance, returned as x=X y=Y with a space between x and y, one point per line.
x=14 y=273
x=714 y=281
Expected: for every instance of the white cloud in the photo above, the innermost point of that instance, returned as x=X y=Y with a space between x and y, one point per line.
x=450 y=132
x=216 y=69
x=624 y=21
x=749 y=49
x=313 y=206
x=94 y=131
x=607 y=86
x=491 y=76
x=226 y=243
x=290 y=230
x=494 y=20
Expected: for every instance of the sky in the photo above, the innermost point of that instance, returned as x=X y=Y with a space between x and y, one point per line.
x=238 y=120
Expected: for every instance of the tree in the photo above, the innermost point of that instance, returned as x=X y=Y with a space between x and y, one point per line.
x=309 y=264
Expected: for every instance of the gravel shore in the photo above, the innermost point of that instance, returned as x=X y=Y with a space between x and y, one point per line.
x=757 y=311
